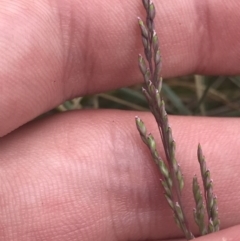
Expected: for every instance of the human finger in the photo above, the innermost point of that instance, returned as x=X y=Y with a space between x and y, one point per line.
x=55 y=50
x=228 y=234
x=87 y=175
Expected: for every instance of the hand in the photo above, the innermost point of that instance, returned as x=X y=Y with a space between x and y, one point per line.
x=86 y=175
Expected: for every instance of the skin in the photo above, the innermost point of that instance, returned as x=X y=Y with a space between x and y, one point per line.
x=86 y=175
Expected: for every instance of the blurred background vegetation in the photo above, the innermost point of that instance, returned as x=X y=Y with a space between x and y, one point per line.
x=189 y=95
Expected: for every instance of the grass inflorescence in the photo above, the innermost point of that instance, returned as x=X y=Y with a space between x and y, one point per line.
x=172 y=177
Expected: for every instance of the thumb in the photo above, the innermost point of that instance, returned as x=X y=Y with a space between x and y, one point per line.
x=229 y=234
